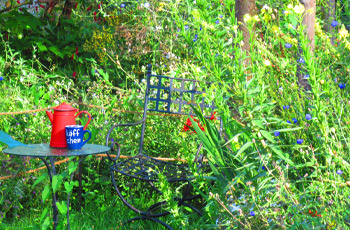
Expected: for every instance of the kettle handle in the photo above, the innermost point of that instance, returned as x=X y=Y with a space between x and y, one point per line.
x=88 y=120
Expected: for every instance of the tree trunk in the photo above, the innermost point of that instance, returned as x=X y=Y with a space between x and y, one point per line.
x=329 y=12
x=242 y=8
x=309 y=22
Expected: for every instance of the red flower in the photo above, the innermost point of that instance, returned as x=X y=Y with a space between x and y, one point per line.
x=314 y=214
x=42 y=6
x=76 y=51
x=75 y=73
x=89 y=8
x=99 y=6
x=212 y=117
x=36 y=8
x=186 y=128
x=18 y=2
x=72 y=57
x=76 y=4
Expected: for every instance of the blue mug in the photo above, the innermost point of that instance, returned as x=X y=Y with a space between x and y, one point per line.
x=75 y=136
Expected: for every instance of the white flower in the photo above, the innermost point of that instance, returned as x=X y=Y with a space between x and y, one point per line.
x=56 y=102
x=266 y=7
x=147 y=5
x=51 y=88
x=235 y=208
x=267 y=62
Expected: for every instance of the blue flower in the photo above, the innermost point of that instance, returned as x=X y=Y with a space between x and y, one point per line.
x=220 y=16
x=216 y=55
x=334 y=23
x=308 y=117
x=252 y=213
x=288 y=122
x=194 y=39
x=1 y=78
x=263 y=168
x=217 y=21
x=301 y=60
x=342 y=85
x=295 y=120
x=276 y=133
x=300 y=141
x=196 y=36
x=335 y=80
x=178 y=30
x=339 y=172
x=200 y=28
x=186 y=27
x=286 y=107
x=122 y=5
x=288 y=45
x=306 y=76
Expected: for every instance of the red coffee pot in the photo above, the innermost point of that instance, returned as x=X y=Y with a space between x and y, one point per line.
x=63 y=115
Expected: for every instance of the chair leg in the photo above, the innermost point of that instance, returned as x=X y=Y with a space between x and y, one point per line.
x=150 y=218
x=193 y=208
x=148 y=214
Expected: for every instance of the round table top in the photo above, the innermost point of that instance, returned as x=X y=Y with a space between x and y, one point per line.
x=44 y=150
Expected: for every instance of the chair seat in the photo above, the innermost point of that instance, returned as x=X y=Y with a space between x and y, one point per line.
x=147 y=168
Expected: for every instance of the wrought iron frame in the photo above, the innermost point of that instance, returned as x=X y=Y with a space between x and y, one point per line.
x=52 y=172
x=146 y=168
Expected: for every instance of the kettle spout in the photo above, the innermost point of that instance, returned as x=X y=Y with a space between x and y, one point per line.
x=49 y=114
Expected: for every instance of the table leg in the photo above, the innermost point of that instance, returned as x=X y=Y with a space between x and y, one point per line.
x=80 y=182
x=52 y=172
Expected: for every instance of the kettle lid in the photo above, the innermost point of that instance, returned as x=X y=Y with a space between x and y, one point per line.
x=64 y=107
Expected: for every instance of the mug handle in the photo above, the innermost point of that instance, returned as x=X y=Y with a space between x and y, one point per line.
x=87 y=131
x=88 y=120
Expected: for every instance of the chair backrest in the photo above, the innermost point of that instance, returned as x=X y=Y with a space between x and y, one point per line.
x=174 y=95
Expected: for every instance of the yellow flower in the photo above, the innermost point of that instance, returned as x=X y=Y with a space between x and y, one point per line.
x=343 y=33
x=246 y=18
x=234 y=28
x=195 y=13
x=299 y=9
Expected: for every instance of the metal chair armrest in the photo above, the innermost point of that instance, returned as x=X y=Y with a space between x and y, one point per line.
x=113 y=150
x=114 y=142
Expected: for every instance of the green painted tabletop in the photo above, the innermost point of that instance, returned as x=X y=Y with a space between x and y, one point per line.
x=44 y=150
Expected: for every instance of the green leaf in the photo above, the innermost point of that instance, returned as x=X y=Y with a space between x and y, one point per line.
x=45 y=192
x=279 y=152
x=56 y=51
x=229 y=141
x=68 y=186
x=72 y=167
x=42 y=177
x=56 y=182
x=243 y=148
x=46 y=223
x=289 y=129
x=258 y=123
x=41 y=47
x=44 y=213
x=62 y=207
x=267 y=135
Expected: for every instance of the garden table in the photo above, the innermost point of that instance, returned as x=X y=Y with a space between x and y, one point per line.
x=42 y=151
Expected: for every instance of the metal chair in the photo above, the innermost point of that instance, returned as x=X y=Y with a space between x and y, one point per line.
x=169 y=95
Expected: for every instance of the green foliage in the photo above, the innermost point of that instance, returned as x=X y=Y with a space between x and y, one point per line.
x=101 y=58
